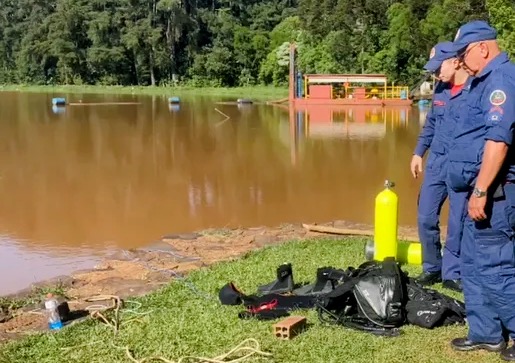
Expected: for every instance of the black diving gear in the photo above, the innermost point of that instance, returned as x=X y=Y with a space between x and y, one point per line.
x=283 y=283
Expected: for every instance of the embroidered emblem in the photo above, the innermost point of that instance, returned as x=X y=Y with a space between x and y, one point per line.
x=494 y=117
x=497 y=97
x=432 y=54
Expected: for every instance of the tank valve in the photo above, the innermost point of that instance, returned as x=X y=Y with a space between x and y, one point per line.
x=389 y=184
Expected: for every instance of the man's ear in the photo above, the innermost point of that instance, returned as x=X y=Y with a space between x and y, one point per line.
x=485 y=50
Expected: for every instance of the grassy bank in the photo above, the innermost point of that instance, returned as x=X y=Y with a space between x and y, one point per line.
x=32 y=297
x=183 y=322
x=257 y=92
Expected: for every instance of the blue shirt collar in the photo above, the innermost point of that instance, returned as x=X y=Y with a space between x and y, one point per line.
x=468 y=83
x=465 y=88
x=494 y=64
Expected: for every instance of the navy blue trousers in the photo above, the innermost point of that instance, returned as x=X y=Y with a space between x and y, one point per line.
x=488 y=270
x=433 y=193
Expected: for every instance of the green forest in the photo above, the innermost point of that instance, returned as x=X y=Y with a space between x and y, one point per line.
x=228 y=42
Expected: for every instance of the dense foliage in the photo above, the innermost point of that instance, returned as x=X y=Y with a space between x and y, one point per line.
x=227 y=42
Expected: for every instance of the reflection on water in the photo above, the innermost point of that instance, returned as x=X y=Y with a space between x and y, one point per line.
x=124 y=175
x=422 y=115
x=350 y=122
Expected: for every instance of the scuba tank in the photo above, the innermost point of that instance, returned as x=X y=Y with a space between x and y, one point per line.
x=385 y=223
x=385 y=242
x=407 y=252
x=410 y=253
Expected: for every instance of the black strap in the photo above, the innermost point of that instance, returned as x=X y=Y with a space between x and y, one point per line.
x=287 y=302
x=365 y=326
x=336 y=298
x=355 y=323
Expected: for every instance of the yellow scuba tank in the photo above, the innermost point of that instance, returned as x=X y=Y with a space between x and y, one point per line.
x=410 y=253
x=385 y=223
x=407 y=252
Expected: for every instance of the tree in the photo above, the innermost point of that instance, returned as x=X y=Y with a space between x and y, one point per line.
x=228 y=42
x=108 y=60
x=442 y=21
x=502 y=17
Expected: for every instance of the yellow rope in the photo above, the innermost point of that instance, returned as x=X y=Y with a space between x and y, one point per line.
x=96 y=310
x=251 y=350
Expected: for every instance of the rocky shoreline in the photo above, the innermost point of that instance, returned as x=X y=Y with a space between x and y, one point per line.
x=141 y=271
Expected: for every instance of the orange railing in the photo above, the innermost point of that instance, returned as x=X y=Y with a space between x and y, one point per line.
x=388 y=92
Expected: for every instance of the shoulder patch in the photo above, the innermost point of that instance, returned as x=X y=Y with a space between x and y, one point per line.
x=497 y=97
x=494 y=117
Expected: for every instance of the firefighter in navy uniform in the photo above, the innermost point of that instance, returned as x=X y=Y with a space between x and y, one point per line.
x=436 y=136
x=482 y=163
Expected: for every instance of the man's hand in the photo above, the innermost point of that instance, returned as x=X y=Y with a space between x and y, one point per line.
x=476 y=208
x=493 y=158
x=416 y=166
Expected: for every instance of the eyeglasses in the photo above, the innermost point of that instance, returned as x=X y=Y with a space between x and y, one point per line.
x=461 y=56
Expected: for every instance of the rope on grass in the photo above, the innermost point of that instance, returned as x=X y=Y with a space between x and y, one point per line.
x=252 y=348
x=95 y=311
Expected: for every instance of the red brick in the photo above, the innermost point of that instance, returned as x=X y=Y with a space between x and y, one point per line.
x=289 y=327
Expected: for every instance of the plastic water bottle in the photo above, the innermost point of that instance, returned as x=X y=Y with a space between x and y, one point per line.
x=54 y=320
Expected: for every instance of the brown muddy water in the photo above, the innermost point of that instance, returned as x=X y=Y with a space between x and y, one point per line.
x=82 y=180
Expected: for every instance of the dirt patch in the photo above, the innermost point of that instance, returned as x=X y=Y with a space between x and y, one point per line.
x=138 y=272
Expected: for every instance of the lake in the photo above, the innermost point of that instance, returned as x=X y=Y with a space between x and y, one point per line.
x=82 y=180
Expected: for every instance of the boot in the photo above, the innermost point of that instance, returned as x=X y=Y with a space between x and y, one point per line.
x=327 y=279
x=283 y=284
x=324 y=282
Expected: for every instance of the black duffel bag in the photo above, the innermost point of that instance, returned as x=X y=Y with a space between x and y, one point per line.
x=378 y=297
x=429 y=309
x=372 y=298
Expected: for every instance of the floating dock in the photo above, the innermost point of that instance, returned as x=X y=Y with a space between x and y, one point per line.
x=103 y=103
x=61 y=102
x=343 y=89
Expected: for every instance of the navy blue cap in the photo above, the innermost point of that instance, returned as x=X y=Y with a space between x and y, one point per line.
x=471 y=32
x=439 y=53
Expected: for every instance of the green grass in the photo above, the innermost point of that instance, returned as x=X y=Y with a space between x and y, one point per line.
x=36 y=296
x=181 y=322
x=255 y=92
